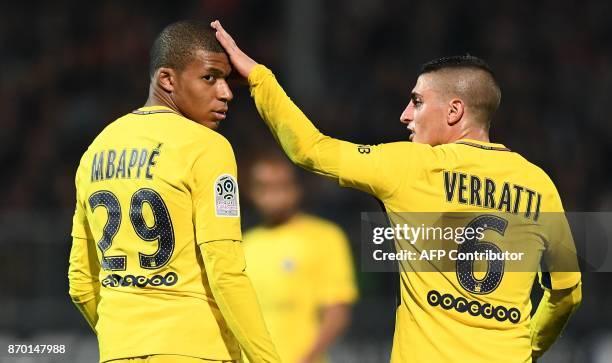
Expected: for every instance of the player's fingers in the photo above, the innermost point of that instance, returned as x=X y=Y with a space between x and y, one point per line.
x=219 y=33
x=219 y=28
x=215 y=24
x=223 y=37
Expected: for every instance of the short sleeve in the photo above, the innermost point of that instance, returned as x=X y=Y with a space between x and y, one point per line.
x=337 y=275
x=216 y=204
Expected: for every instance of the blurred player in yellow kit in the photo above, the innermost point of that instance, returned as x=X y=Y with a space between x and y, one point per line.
x=450 y=166
x=300 y=266
x=156 y=266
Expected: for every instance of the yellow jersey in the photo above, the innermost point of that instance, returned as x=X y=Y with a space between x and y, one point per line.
x=297 y=268
x=151 y=187
x=446 y=316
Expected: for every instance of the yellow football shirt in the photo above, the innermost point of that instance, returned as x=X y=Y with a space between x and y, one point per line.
x=150 y=188
x=456 y=316
x=296 y=269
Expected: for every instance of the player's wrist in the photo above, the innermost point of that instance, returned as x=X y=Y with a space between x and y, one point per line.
x=250 y=67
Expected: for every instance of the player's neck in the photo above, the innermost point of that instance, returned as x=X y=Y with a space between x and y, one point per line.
x=158 y=97
x=477 y=134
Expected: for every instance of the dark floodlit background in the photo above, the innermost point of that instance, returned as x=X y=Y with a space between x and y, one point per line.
x=69 y=68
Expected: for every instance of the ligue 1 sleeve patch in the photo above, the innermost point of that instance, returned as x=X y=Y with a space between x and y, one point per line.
x=226 y=196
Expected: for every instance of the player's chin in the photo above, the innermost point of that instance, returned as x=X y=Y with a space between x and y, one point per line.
x=211 y=124
x=418 y=139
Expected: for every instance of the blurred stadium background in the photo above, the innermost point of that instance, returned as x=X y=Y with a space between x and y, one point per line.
x=69 y=68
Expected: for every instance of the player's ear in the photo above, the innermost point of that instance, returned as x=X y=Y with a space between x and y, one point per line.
x=456 y=107
x=165 y=79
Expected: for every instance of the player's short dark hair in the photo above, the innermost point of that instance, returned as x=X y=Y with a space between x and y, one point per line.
x=176 y=45
x=484 y=95
x=456 y=61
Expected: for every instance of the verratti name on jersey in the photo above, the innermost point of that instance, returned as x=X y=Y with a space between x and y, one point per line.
x=127 y=163
x=483 y=192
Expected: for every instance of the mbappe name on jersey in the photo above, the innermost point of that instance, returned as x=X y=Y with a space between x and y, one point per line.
x=483 y=192
x=127 y=163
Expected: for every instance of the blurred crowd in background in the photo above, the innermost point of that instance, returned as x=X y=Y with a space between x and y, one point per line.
x=69 y=68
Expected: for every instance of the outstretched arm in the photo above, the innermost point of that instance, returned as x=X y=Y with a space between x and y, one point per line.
x=352 y=165
x=300 y=139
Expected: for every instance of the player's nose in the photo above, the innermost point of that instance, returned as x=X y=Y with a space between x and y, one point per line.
x=408 y=114
x=224 y=92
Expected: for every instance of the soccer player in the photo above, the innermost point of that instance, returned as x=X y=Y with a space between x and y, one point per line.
x=300 y=265
x=156 y=266
x=450 y=166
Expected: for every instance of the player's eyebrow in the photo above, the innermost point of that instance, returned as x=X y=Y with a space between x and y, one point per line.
x=216 y=72
x=415 y=95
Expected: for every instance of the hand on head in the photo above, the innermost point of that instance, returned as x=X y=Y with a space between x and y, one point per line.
x=241 y=62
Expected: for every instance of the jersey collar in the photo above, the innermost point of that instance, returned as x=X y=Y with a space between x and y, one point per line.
x=148 y=110
x=482 y=145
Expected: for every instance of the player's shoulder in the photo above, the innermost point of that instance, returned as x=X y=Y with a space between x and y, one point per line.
x=406 y=151
x=175 y=127
x=217 y=141
x=504 y=158
x=212 y=148
x=543 y=183
x=536 y=174
x=107 y=132
x=200 y=137
x=406 y=145
x=194 y=141
x=101 y=138
x=197 y=137
x=198 y=132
